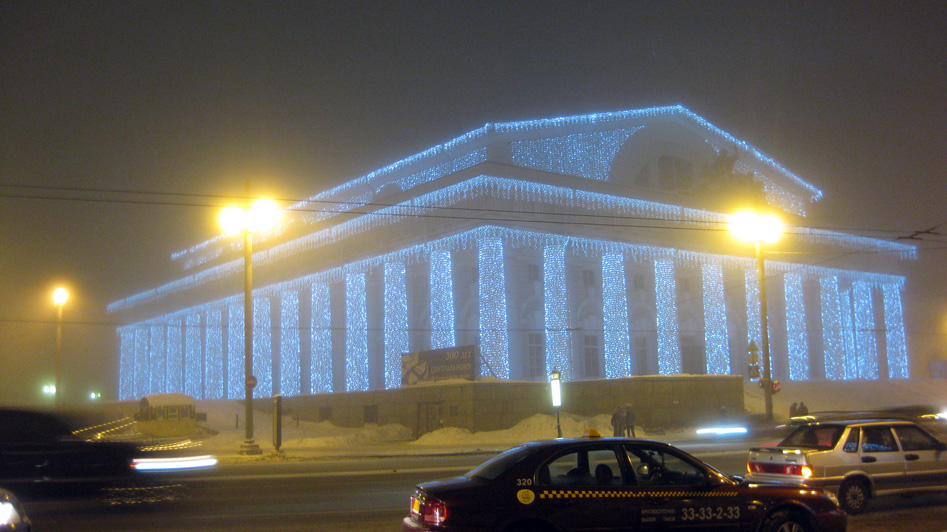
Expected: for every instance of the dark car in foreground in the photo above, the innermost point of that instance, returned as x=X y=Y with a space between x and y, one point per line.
x=857 y=458
x=41 y=454
x=612 y=484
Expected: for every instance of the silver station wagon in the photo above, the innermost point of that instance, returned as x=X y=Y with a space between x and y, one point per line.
x=856 y=458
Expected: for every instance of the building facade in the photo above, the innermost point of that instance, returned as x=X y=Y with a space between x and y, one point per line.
x=596 y=245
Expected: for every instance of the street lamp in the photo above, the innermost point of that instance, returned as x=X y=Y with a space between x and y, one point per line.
x=760 y=229
x=261 y=216
x=60 y=295
x=554 y=384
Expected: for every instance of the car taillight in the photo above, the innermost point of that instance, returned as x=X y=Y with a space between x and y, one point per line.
x=427 y=510
x=781 y=469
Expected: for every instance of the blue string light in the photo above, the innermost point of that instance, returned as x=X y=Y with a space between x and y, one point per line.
x=494 y=332
x=396 y=321
x=193 y=355
x=832 y=328
x=262 y=347
x=214 y=356
x=848 y=334
x=715 y=320
x=838 y=311
x=556 y=312
x=615 y=315
x=235 y=352
x=442 y=300
x=156 y=351
x=126 y=360
x=669 y=347
x=356 y=329
x=175 y=380
x=894 y=333
x=321 y=361
x=290 y=373
x=796 y=336
x=867 y=346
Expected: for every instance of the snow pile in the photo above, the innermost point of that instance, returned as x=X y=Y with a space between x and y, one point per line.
x=226 y=419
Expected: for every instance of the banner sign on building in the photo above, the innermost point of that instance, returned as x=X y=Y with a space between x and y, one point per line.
x=439 y=364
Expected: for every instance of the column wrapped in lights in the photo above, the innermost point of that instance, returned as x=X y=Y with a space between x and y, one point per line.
x=894 y=332
x=848 y=334
x=797 y=341
x=175 y=377
x=262 y=347
x=396 y=321
x=235 y=351
x=832 y=330
x=442 y=300
x=142 y=362
x=715 y=320
x=556 y=312
x=157 y=354
x=321 y=340
x=615 y=315
x=669 y=347
x=867 y=344
x=214 y=355
x=290 y=374
x=356 y=333
x=193 y=356
x=126 y=374
x=494 y=328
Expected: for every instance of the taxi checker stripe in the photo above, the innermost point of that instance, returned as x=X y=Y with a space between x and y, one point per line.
x=595 y=494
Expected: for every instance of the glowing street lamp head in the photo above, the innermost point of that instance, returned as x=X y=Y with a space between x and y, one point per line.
x=263 y=215
x=752 y=227
x=60 y=295
x=554 y=381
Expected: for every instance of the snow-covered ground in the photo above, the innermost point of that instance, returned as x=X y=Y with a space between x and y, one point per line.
x=325 y=439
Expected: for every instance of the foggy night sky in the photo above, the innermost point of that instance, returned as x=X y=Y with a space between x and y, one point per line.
x=193 y=98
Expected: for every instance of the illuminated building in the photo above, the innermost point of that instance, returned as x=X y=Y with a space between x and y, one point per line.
x=594 y=244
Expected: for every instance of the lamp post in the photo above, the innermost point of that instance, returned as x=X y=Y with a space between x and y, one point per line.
x=60 y=295
x=262 y=215
x=554 y=379
x=760 y=229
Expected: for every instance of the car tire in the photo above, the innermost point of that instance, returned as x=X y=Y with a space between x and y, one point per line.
x=785 y=521
x=853 y=496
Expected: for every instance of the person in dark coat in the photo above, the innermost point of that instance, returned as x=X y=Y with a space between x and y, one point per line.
x=793 y=410
x=618 y=422
x=629 y=421
x=803 y=410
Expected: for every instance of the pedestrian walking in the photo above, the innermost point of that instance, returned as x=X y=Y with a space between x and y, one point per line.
x=793 y=410
x=803 y=410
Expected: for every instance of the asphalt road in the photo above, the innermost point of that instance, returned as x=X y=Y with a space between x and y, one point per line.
x=363 y=495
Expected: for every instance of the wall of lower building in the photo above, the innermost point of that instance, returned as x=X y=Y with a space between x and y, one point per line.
x=658 y=402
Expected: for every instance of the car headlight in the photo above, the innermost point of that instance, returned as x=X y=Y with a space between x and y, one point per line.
x=12 y=516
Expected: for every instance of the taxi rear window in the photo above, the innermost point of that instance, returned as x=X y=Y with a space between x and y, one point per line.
x=499 y=464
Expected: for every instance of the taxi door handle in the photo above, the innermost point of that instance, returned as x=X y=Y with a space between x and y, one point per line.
x=869 y=459
x=911 y=457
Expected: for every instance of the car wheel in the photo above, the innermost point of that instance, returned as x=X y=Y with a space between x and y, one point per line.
x=853 y=496
x=785 y=521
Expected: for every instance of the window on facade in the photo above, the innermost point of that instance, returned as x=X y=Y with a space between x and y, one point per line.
x=532 y=272
x=535 y=361
x=588 y=277
x=590 y=345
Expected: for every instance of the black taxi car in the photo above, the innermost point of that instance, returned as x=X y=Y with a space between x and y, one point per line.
x=612 y=484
